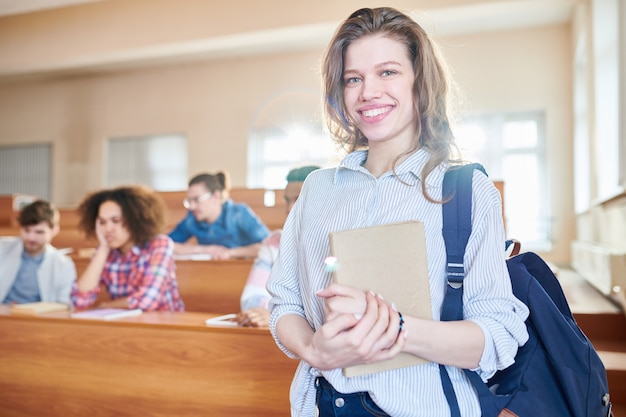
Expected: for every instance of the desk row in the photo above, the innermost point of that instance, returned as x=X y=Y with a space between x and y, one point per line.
x=165 y=364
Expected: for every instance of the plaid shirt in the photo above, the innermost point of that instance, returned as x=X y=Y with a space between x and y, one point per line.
x=145 y=274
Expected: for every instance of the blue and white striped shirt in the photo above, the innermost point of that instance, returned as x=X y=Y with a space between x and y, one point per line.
x=350 y=197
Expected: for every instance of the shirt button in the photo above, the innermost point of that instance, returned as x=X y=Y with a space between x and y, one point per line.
x=339 y=402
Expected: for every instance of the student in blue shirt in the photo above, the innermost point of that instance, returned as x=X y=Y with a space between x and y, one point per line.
x=222 y=228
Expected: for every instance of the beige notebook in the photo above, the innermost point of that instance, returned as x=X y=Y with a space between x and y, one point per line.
x=39 y=307
x=389 y=260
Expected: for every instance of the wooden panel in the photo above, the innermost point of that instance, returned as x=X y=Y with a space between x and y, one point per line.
x=68 y=218
x=70 y=237
x=7 y=215
x=205 y=286
x=173 y=198
x=254 y=197
x=212 y=286
x=9 y=231
x=156 y=364
x=10 y=206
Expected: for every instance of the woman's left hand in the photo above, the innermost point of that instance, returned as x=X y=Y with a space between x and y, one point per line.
x=354 y=339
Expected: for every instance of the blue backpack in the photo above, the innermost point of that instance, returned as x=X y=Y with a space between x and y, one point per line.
x=557 y=373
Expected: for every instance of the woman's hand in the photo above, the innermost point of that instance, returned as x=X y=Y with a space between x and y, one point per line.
x=340 y=299
x=352 y=339
x=255 y=317
x=102 y=241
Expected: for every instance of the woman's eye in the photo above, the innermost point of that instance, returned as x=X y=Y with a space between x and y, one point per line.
x=352 y=80
x=387 y=73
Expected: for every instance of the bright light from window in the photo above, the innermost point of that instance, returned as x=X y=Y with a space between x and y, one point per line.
x=471 y=138
x=511 y=149
x=520 y=134
x=287 y=133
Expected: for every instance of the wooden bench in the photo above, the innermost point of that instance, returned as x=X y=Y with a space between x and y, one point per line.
x=204 y=286
x=165 y=364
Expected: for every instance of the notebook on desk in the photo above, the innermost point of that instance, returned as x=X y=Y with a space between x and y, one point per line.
x=389 y=260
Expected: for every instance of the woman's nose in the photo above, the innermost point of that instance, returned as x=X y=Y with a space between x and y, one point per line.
x=370 y=89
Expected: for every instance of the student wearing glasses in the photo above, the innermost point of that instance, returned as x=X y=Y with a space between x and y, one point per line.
x=221 y=228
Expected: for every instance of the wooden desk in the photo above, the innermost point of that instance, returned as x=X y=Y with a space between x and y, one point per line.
x=205 y=286
x=156 y=364
x=212 y=286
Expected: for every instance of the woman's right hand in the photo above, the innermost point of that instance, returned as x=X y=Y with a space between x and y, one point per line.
x=102 y=242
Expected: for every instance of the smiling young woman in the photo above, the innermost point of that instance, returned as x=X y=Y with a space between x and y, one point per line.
x=387 y=103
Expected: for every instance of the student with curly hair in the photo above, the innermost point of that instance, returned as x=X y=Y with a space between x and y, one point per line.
x=133 y=260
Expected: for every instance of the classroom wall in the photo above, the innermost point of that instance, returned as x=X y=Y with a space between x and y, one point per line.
x=212 y=103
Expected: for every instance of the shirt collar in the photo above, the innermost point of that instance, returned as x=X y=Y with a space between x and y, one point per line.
x=413 y=164
x=135 y=250
x=36 y=259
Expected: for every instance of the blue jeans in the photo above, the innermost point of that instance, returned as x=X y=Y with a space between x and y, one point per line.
x=332 y=403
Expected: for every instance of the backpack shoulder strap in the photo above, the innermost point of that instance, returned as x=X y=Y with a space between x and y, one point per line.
x=457 y=227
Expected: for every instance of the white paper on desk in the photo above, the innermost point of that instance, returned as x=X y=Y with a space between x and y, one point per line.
x=225 y=320
x=194 y=257
x=107 y=313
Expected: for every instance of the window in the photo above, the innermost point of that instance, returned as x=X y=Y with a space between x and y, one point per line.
x=512 y=149
x=26 y=169
x=287 y=133
x=273 y=152
x=159 y=162
x=582 y=143
x=606 y=71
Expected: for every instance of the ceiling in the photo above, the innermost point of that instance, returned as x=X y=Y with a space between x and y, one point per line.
x=473 y=17
x=11 y=7
x=485 y=16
